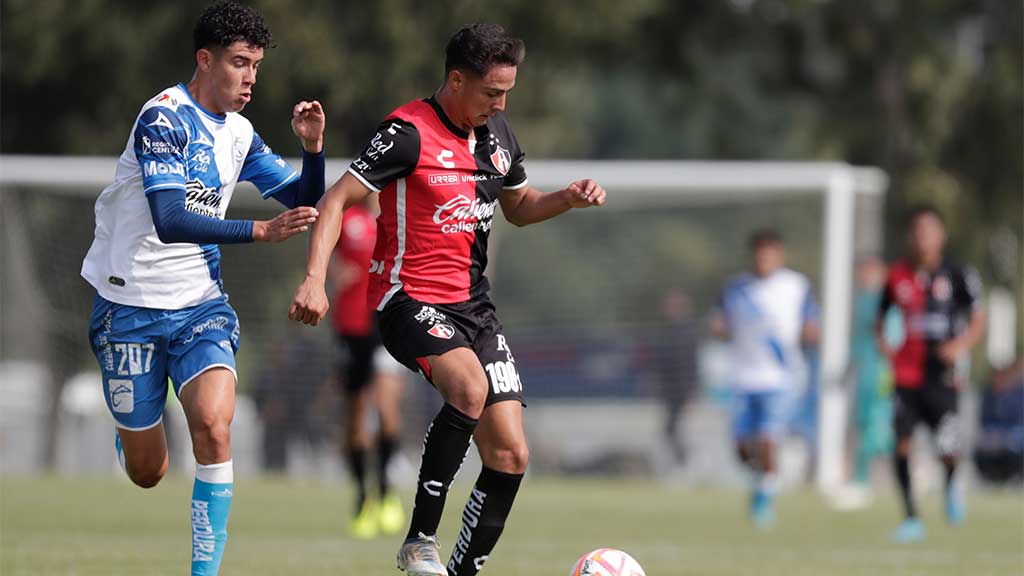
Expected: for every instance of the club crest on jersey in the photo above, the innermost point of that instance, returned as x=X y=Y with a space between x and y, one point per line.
x=442 y=331
x=501 y=160
x=239 y=148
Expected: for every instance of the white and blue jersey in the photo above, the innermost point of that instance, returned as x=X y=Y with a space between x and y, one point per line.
x=175 y=145
x=160 y=311
x=766 y=317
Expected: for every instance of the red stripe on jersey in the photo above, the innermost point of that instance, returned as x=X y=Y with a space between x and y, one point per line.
x=429 y=219
x=910 y=296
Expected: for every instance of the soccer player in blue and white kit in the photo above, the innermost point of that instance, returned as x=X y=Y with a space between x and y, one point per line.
x=768 y=314
x=160 y=310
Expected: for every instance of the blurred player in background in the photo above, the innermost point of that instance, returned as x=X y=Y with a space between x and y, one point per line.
x=768 y=314
x=160 y=310
x=675 y=366
x=943 y=319
x=873 y=376
x=367 y=372
x=442 y=165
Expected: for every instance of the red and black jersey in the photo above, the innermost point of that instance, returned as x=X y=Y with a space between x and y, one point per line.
x=438 y=193
x=936 y=307
x=352 y=316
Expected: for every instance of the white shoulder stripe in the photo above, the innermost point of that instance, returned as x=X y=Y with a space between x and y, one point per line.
x=363 y=180
x=396 y=281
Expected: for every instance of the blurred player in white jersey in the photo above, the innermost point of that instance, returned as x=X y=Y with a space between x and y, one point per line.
x=767 y=314
x=160 y=310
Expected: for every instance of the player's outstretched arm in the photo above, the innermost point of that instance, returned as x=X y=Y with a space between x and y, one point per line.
x=174 y=223
x=310 y=303
x=527 y=205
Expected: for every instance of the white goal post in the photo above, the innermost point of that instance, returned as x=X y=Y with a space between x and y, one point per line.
x=632 y=185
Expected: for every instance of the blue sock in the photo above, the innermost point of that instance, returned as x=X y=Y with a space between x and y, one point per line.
x=211 y=505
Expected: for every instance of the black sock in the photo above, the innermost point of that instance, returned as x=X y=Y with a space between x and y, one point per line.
x=357 y=467
x=385 y=449
x=444 y=449
x=950 y=466
x=903 y=477
x=483 y=520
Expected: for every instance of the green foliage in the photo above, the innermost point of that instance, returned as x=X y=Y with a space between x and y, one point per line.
x=930 y=90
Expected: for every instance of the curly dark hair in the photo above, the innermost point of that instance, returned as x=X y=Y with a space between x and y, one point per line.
x=478 y=47
x=224 y=23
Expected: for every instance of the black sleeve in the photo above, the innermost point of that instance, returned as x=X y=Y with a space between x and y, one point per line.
x=967 y=288
x=516 y=176
x=392 y=154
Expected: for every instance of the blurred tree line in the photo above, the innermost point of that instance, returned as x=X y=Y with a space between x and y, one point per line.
x=929 y=90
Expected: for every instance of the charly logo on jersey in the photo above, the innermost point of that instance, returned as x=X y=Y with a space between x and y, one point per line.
x=445 y=158
x=460 y=214
x=202 y=199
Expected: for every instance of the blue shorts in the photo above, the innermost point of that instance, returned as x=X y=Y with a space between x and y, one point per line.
x=139 y=348
x=761 y=414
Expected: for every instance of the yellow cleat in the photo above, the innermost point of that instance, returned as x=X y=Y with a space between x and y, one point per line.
x=391 y=515
x=364 y=525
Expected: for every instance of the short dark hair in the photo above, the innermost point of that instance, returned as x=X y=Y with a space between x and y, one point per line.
x=224 y=23
x=764 y=237
x=478 y=47
x=925 y=210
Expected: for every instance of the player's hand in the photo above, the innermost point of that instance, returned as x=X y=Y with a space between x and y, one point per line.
x=950 y=351
x=285 y=225
x=585 y=193
x=308 y=122
x=310 y=304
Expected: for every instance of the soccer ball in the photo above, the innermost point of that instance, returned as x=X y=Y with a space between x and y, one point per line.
x=606 y=562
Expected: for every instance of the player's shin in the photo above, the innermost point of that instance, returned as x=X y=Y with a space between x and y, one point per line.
x=902 y=465
x=444 y=449
x=385 y=450
x=211 y=506
x=483 y=520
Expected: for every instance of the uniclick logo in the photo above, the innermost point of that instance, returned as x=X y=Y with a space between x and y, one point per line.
x=460 y=214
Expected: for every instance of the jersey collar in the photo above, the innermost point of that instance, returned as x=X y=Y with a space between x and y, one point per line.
x=218 y=118
x=445 y=120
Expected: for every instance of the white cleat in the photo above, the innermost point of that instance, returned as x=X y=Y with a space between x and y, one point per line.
x=420 y=556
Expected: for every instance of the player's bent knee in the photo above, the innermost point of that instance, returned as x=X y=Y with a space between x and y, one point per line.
x=468 y=398
x=147 y=475
x=509 y=459
x=212 y=436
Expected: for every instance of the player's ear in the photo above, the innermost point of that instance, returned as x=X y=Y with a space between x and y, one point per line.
x=456 y=80
x=204 y=59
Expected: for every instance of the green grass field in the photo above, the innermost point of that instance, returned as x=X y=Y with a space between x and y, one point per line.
x=107 y=527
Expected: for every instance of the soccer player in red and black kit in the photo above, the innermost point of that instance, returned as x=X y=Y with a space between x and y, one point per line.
x=442 y=166
x=368 y=373
x=943 y=319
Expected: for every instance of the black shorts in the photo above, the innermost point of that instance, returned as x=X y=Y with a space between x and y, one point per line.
x=357 y=352
x=933 y=404
x=412 y=330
